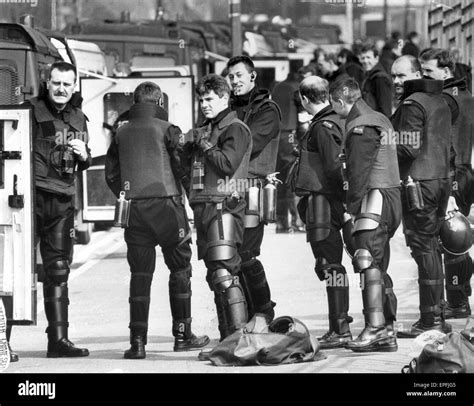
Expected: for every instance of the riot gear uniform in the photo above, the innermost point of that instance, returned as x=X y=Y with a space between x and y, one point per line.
x=458 y=268
x=318 y=179
x=263 y=117
x=373 y=197
x=222 y=149
x=425 y=116
x=55 y=167
x=139 y=162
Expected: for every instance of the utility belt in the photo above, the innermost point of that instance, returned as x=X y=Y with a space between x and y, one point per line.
x=414 y=194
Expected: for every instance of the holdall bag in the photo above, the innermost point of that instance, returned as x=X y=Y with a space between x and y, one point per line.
x=451 y=353
x=285 y=340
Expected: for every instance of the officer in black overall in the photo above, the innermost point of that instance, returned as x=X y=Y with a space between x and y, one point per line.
x=141 y=162
x=218 y=154
x=423 y=124
x=439 y=64
x=60 y=150
x=318 y=180
x=255 y=108
x=373 y=197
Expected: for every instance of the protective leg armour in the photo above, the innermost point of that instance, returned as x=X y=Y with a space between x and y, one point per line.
x=230 y=302
x=257 y=291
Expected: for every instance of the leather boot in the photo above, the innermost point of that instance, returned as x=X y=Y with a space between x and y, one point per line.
x=337 y=289
x=8 y=303
x=137 y=348
x=258 y=290
x=419 y=328
x=185 y=340
x=56 y=308
x=458 y=271
x=374 y=337
x=180 y=304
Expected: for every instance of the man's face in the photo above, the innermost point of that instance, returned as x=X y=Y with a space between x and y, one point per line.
x=431 y=69
x=61 y=86
x=368 y=60
x=241 y=80
x=402 y=71
x=323 y=65
x=212 y=104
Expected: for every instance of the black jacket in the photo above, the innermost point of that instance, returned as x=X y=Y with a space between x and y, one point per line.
x=377 y=90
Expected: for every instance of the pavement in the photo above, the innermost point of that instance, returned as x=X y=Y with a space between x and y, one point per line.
x=99 y=313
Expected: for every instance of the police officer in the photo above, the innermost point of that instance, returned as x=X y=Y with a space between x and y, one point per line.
x=219 y=153
x=60 y=150
x=140 y=163
x=255 y=108
x=373 y=197
x=439 y=64
x=377 y=86
x=284 y=94
x=319 y=182
x=423 y=124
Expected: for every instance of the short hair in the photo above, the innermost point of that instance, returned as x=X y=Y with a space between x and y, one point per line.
x=310 y=68
x=331 y=56
x=414 y=62
x=214 y=82
x=315 y=89
x=147 y=92
x=345 y=89
x=412 y=35
x=369 y=48
x=63 y=66
x=444 y=58
x=241 y=59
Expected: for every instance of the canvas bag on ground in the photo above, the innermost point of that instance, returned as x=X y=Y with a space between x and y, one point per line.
x=285 y=340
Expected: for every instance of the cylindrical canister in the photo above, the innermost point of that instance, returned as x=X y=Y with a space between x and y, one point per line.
x=415 y=199
x=252 y=211
x=269 y=203
x=198 y=176
x=122 y=211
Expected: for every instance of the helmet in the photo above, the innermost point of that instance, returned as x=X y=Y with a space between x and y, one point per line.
x=455 y=233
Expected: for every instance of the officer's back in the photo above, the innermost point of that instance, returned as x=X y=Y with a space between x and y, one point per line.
x=143 y=144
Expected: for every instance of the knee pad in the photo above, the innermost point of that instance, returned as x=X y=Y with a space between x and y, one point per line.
x=221 y=280
x=221 y=239
x=362 y=260
x=57 y=272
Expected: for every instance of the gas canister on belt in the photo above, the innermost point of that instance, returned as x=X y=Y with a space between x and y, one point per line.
x=270 y=198
x=122 y=211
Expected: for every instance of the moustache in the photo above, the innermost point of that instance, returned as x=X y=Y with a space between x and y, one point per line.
x=60 y=94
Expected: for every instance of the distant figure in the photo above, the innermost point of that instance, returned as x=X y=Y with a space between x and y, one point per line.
x=412 y=46
x=351 y=65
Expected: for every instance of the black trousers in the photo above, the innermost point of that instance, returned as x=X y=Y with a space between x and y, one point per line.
x=158 y=221
x=54 y=227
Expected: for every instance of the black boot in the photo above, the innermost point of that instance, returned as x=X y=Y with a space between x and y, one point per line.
x=8 y=303
x=337 y=289
x=185 y=340
x=180 y=304
x=56 y=308
x=458 y=271
x=374 y=337
x=258 y=291
x=419 y=328
x=13 y=355
x=137 y=348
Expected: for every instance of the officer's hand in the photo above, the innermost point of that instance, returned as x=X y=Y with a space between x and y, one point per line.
x=79 y=149
x=452 y=206
x=201 y=133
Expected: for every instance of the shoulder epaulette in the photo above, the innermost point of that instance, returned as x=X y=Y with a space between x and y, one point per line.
x=358 y=130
